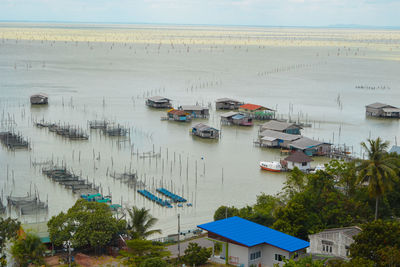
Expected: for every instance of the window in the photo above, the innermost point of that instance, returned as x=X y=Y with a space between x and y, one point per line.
x=279 y=257
x=255 y=255
x=304 y=164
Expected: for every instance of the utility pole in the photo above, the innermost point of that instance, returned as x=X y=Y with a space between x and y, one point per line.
x=179 y=234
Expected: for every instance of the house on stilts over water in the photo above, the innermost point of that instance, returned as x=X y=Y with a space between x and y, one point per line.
x=205 y=131
x=236 y=118
x=158 y=102
x=382 y=110
x=257 y=112
x=227 y=103
x=196 y=111
x=178 y=115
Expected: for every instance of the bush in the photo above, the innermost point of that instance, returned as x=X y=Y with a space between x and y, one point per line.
x=196 y=255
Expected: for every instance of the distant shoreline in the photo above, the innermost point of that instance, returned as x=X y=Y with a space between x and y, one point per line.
x=61 y=24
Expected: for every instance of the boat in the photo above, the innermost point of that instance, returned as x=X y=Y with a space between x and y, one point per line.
x=272 y=166
x=319 y=167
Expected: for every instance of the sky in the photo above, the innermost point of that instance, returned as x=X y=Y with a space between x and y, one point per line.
x=212 y=12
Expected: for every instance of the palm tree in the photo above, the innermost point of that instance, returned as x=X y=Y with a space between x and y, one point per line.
x=28 y=250
x=379 y=170
x=140 y=223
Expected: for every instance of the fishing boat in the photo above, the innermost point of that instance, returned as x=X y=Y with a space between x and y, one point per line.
x=272 y=166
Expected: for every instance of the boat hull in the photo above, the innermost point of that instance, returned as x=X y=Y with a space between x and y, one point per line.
x=269 y=169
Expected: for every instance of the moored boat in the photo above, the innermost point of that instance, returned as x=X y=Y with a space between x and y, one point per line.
x=272 y=166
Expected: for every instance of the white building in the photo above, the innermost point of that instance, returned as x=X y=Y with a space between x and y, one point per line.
x=298 y=159
x=333 y=242
x=246 y=244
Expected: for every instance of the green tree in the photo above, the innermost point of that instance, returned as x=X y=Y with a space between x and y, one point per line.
x=8 y=231
x=196 y=255
x=154 y=262
x=379 y=170
x=141 y=221
x=85 y=224
x=379 y=242
x=140 y=250
x=225 y=212
x=28 y=250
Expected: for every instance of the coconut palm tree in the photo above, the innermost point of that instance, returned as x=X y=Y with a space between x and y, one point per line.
x=140 y=223
x=28 y=250
x=379 y=171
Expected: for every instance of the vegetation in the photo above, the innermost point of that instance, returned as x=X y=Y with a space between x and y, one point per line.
x=303 y=262
x=85 y=224
x=141 y=252
x=196 y=255
x=379 y=170
x=28 y=250
x=8 y=231
x=345 y=194
x=140 y=223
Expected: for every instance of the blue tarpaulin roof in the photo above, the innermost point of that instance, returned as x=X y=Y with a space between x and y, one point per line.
x=238 y=117
x=251 y=234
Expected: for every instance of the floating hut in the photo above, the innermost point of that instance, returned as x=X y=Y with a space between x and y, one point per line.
x=205 y=131
x=236 y=118
x=269 y=138
x=178 y=115
x=196 y=111
x=297 y=159
x=311 y=147
x=279 y=126
x=382 y=110
x=158 y=102
x=39 y=99
x=257 y=112
x=227 y=103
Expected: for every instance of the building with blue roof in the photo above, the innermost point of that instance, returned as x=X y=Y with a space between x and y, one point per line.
x=245 y=243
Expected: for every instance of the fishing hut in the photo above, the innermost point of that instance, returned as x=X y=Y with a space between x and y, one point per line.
x=227 y=103
x=297 y=159
x=178 y=115
x=257 y=112
x=13 y=141
x=39 y=99
x=196 y=111
x=269 y=138
x=236 y=118
x=311 y=147
x=279 y=126
x=158 y=102
x=205 y=131
x=382 y=110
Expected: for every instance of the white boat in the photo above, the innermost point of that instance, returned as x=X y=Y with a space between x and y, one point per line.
x=272 y=166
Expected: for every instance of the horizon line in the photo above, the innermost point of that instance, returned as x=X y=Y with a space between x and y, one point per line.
x=333 y=26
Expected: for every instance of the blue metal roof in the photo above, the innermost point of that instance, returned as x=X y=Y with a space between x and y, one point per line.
x=251 y=234
x=395 y=149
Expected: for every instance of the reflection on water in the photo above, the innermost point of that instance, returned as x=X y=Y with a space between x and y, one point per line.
x=106 y=73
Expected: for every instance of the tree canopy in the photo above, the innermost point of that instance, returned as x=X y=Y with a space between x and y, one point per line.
x=196 y=255
x=85 y=224
x=28 y=250
x=8 y=230
x=141 y=252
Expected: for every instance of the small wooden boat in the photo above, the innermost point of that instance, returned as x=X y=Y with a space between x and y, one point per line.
x=272 y=166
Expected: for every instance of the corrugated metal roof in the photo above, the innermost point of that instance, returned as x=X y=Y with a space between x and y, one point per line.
x=252 y=107
x=251 y=234
x=229 y=114
x=279 y=135
x=395 y=149
x=391 y=110
x=158 y=99
x=348 y=231
x=193 y=107
x=299 y=157
x=203 y=127
x=225 y=99
x=379 y=105
x=305 y=142
x=276 y=125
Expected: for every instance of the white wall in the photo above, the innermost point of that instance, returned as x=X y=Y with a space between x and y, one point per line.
x=339 y=240
x=291 y=166
x=268 y=255
x=240 y=253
